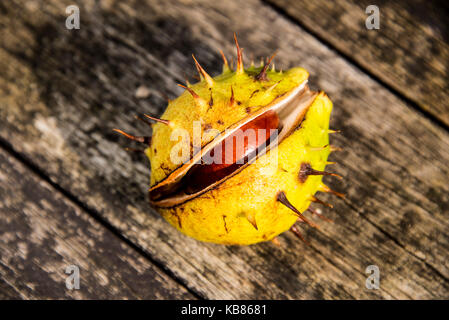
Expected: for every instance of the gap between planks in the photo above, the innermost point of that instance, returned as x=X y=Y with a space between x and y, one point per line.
x=5 y=146
x=408 y=101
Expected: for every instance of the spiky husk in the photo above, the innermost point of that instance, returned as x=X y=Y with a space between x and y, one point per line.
x=270 y=194
x=221 y=214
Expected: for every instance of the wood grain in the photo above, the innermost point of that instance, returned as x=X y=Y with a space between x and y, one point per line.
x=409 y=52
x=62 y=92
x=7 y=292
x=42 y=233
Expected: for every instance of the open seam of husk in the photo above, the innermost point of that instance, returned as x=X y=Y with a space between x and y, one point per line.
x=291 y=108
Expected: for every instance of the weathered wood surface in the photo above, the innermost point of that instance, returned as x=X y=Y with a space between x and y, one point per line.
x=62 y=92
x=409 y=52
x=7 y=292
x=42 y=233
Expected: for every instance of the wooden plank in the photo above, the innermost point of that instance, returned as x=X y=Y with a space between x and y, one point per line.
x=62 y=92
x=409 y=51
x=7 y=292
x=42 y=233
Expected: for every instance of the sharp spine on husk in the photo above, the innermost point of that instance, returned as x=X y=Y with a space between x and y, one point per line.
x=282 y=198
x=203 y=74
x=141 y=139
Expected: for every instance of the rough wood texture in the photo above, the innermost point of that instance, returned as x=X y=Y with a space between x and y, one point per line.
x=41 y=233
x=62 y=92
x=410 y=51
x=7 y=292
